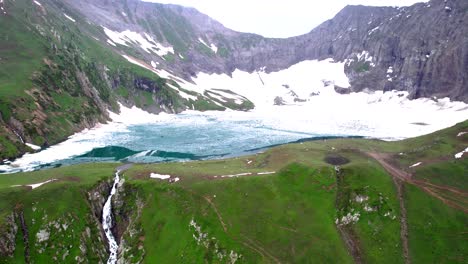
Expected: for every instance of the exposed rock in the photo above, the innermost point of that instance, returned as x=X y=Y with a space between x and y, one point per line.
x=424 y=43
x=128 y=206
x=8 y=236
x=97 y=197
x=24 y=229
x=43 y=235
x=279 y=101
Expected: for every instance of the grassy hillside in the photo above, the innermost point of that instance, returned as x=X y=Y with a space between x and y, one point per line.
x=291 y=204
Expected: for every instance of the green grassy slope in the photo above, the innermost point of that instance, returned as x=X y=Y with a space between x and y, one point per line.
x=286 y=216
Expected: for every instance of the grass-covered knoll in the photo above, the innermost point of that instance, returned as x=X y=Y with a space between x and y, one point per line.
x=437 y=232
x=286 y=216
x=288 y=205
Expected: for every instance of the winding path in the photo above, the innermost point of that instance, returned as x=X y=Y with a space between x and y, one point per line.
x=400 y=177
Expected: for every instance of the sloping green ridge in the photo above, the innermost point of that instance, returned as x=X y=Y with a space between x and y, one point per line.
x=287 y=216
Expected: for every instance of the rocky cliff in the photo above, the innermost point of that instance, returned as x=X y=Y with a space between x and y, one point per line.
x=421 y=49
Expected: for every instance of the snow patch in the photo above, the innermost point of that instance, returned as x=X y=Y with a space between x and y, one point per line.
x=235 y=175
x=145 y=41
x=111 y=43
x=211 y=46
x=415 y=165
x=461 y=134
x=237 y=98
x=2 y=8
x=162 y=73
x=159 y=176
x=460 y=154
x=373 y=30
x=364 y=55
x=304 y=78
x=33 y=146
x=69 y=18
x=136 y=116
x=266 y=173
x=134 y=61
x=37 y=3
x=36 y=185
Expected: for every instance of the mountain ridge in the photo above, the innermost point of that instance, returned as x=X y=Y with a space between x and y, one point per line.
x=380 y=31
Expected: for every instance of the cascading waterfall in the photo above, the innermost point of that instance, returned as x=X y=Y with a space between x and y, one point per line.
x=107 y=222
x=19 y=136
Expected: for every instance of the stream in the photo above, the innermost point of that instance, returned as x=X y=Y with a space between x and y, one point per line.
x=107 y=222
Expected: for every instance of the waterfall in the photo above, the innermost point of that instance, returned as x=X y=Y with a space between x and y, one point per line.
x=107 y=222
x=18 y=135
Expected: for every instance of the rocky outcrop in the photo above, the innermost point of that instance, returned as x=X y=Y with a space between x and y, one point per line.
x=424 y=44
x=8 y=232
x=97 y=197
x=128 y=205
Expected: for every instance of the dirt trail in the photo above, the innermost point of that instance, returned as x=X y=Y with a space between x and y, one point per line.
x=398 y=177
x=255 y=245
x=403 y=219
x=394 y=171
x=247 y=242
x=441 y=187
x=217 y=213
x=427 y=187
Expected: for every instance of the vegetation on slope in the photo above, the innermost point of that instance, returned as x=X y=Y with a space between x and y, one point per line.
x=293 y=206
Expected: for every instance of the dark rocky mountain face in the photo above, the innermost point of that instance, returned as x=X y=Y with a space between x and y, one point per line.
x=421 y=49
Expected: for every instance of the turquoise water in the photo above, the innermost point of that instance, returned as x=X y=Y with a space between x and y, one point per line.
x=162 y=142
x=179 y=138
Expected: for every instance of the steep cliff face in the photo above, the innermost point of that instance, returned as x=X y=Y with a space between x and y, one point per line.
x=421 y=49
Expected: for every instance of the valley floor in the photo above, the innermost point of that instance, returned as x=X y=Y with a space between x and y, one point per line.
x=343 y=200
